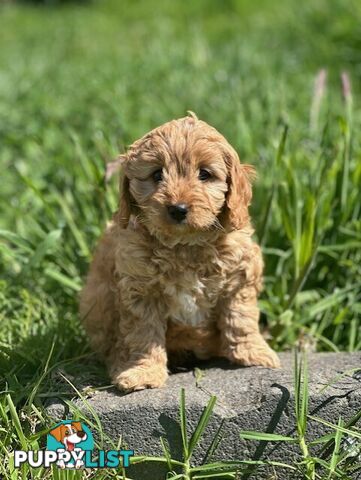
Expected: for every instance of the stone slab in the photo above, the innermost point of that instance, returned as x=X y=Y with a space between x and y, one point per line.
x=252 y=398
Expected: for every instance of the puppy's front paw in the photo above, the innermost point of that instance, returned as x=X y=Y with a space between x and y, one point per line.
x=138 y=378
x=255 y=352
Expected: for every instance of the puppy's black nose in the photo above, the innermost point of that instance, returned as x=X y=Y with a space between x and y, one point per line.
x=178 y=212
x=81 y=434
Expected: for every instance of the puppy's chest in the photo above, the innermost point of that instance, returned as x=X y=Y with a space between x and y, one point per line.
x=191 y=294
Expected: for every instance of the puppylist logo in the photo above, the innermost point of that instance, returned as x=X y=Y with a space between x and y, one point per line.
x=70 y=444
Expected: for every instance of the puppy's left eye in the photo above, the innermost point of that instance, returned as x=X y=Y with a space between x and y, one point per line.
x=204 y=175
x=157 y=175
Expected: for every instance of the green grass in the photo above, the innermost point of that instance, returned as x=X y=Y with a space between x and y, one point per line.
x=79 y=82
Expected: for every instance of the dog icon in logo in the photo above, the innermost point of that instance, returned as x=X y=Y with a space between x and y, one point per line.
x=69 y=435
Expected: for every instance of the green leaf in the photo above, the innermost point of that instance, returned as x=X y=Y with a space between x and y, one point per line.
x=214 y=444
x=269 y=437
x=183 y=423
x=234 y=465
x=336 y=450
x=16 y=423
x=352 y=433
x=48 y=245
x=17 y=240
x=305 y=395
x=63 y=279
x=76 y=231
x=166 y=453
x=144 y=458
x=203 y=422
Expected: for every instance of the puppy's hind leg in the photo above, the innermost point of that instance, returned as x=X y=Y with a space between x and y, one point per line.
x=98 y=315
x=97 y=306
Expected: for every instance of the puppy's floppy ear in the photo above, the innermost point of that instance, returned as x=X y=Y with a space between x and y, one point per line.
x=123 y=214
x=239 y=194
x=124 y=211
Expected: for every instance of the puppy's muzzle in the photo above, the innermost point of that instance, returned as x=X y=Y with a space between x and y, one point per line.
x=178 y=212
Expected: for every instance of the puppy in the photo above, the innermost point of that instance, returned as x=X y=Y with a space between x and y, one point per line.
x=176 y=270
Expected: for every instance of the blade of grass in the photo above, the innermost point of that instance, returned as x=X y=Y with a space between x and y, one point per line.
x=336 y=451
x=203 y=422
x=236 y=464
x=269 y=437
x=166 y=453
x=144 y=458
x=352 y=433
x=214 y=444
x=40 y=378
x=77 y=233
x=183 y=423
x=63 y=279
x=16 y=422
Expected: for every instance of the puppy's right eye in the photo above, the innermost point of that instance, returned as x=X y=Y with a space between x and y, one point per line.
x=204 y=175
x=157 y=175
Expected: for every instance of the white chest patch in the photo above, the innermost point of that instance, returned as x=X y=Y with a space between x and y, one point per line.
x=188 y=312
x=185 y=305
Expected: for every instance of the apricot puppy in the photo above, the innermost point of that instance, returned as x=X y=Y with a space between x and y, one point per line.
x=176 y=269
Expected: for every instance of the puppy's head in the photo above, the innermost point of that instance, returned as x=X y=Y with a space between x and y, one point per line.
x=183 y=178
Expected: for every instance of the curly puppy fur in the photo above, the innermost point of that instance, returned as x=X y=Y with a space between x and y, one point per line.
x=167 y=279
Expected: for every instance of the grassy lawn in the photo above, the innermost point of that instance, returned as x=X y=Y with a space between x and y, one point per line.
x=80 y=81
